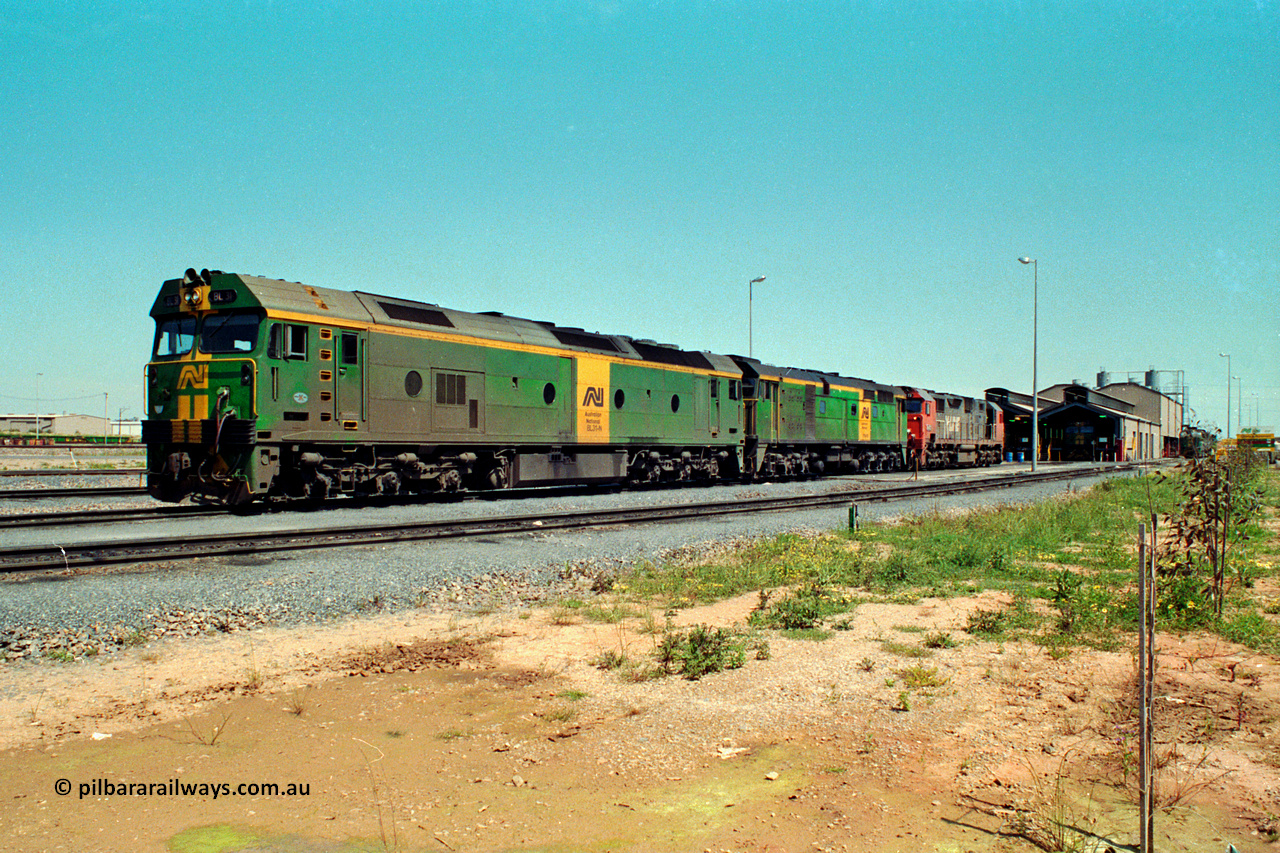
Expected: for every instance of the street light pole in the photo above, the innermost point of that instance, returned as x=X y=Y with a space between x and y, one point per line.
x=750 y=287
x=1239 y=394
x=38 y=375
x=1035 y=392
x=1227 y=356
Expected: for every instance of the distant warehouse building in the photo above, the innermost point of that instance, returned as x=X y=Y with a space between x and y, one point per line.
x=1160 y=409
x=72 y=425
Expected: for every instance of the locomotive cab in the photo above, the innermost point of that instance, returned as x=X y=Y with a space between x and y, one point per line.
x=202 y=389
x=922 y=427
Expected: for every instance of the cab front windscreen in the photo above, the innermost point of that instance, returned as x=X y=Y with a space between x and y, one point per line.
x=217 y=333
x=175 y=337
x=229 y=333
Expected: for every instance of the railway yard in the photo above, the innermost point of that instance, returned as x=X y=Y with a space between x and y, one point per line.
x=474 y=714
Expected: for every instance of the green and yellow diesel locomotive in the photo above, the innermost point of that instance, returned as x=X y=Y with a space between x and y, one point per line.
x=259 y=388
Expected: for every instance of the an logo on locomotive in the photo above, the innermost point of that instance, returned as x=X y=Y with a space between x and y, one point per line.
x=193 y=376
x=594 y=397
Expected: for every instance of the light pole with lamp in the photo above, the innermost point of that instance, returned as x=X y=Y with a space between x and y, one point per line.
x=1239 y=394
x=38 y=375
x=1227 y=356
x=1035 y=393
x=750 y=287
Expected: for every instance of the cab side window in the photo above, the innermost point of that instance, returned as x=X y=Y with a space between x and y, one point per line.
x=297 y=342
x=287 y=341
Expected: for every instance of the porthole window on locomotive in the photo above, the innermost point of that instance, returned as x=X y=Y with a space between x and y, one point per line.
x=548 y=393
x=675 y=402
x=413 y=383
x=618 y=398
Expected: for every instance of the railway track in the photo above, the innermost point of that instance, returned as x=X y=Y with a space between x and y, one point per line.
x=104 y=516
x=88 y=493
x=153 y=549
x=70 y=472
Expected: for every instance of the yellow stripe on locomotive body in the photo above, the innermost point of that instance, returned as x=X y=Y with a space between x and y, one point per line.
x=472 y=340
x=193 y=408
x=592 y=399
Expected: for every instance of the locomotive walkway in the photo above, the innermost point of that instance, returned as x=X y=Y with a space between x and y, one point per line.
x=150 y=549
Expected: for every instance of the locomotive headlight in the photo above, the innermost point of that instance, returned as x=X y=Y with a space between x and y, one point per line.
x=192 y=296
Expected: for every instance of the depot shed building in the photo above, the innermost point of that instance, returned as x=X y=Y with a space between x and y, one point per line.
x=1086 y=425
x=1079 y=424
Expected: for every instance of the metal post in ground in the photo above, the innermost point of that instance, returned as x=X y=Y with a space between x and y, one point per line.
x=1146 y=676
x=1150 y=618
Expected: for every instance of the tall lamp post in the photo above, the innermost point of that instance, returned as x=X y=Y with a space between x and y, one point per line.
x=1227 y=356
x=750 y=287
x=38 y=375
x=1035 y=393
x=1239 y=394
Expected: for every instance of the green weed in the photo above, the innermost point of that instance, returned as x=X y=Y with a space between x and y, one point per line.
x=805 y=608
x=921 y=677
x=938 y=640
x=700 y=650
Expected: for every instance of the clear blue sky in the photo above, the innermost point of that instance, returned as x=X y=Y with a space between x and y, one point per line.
x=628 y=166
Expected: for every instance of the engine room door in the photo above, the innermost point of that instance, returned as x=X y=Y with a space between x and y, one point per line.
x=775 y=396
x=713 y=410
x=348 y=384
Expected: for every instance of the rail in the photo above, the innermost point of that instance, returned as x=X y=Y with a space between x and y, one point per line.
x=70 y=472
x=89 y=493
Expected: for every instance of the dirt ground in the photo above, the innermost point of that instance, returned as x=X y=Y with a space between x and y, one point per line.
x=425 y=731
